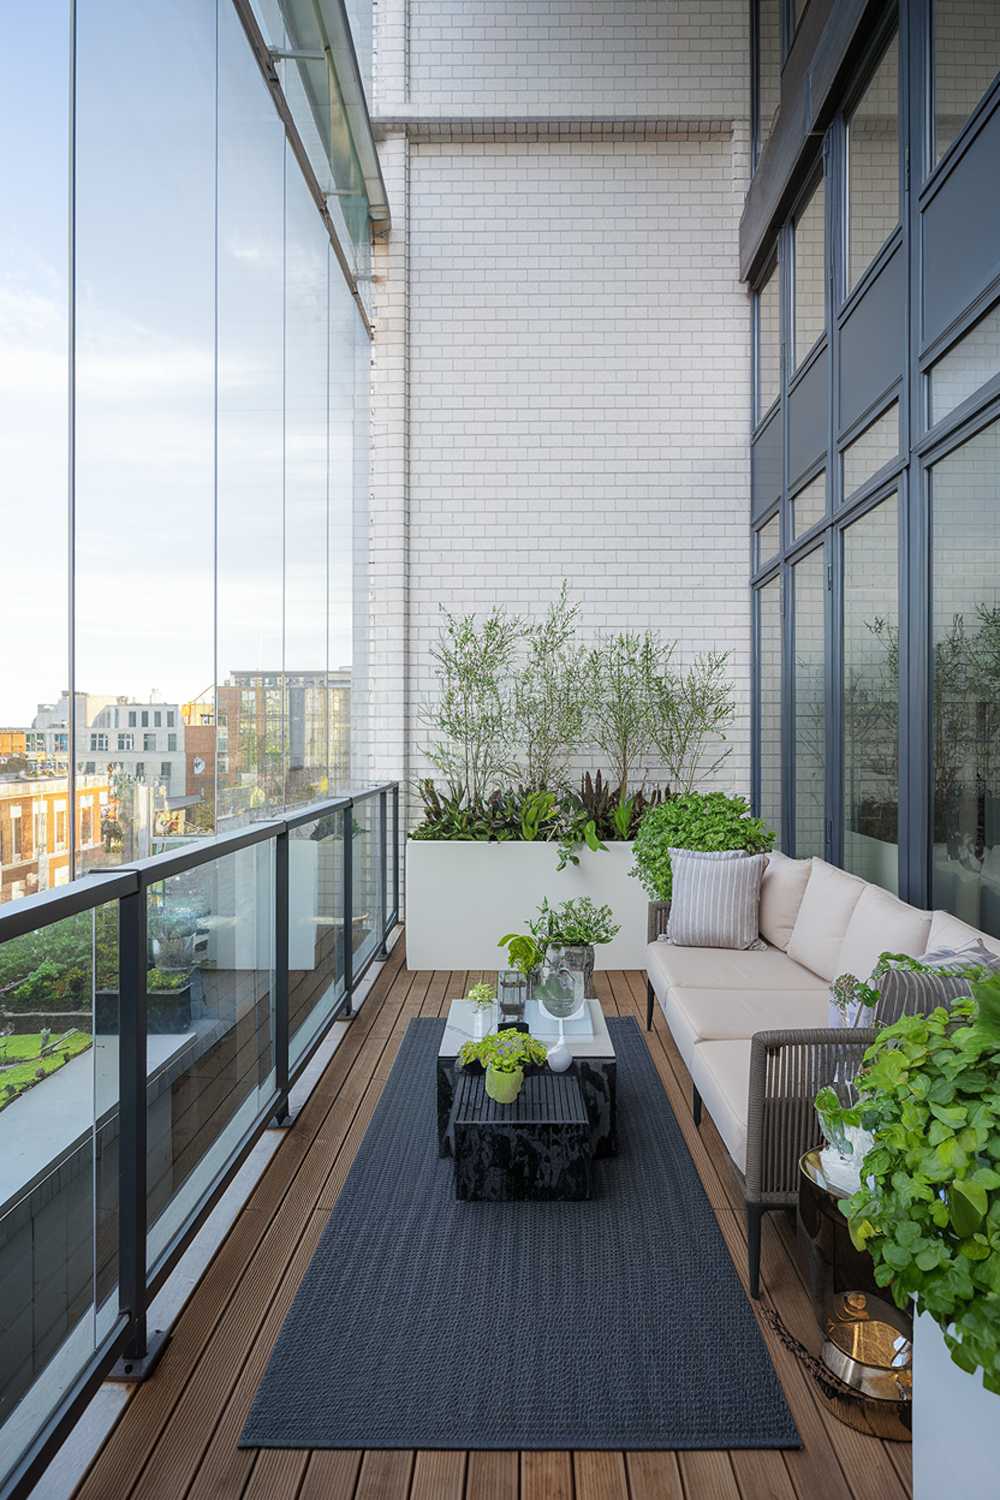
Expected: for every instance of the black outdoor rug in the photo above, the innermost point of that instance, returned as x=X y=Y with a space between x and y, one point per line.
x=426 y=1323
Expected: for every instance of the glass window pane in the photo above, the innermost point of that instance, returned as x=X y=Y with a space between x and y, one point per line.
x=768 y=541
x=58 y=1164
x=349 y=362
x=315 y=928
x=306 y=482
x=367 y=887
x=809 y=273
x=967 y=365
x=248 y=750
x=145 y=401
x=871 y=696
x=769 y=668
x=211 y=1022
x=966 y=59
x=873 y=166
x=809 y=704
x=871 y=450
x=965 y=622
x=34 y=416
x=809 y=505
x=768 y=344
x=769 y=69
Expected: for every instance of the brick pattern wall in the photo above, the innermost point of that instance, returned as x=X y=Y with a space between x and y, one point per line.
x=560 y=379
x=966 y=61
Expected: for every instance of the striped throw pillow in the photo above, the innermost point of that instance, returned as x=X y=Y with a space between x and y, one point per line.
x=715 y=899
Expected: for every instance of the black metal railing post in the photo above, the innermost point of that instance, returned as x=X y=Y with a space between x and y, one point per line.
x=395 y=851
x=383 y=895
x=281 y=1037
x=141 y=1349
x=348 y=884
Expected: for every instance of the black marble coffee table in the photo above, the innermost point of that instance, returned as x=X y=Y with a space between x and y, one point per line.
x=593 y=1065
x=534 y=1150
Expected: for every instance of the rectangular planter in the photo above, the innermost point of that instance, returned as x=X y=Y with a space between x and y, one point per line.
x=460 y=897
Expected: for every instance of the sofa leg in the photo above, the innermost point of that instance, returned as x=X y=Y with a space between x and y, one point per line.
x=755 y=1215
x=696 y=1105
x=650 y=1002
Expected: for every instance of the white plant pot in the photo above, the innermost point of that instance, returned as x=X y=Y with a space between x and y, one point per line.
x=461 y=897
x=956 y=1424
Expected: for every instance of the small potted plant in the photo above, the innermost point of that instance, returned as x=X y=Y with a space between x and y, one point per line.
x=849 y=1000
x=481 y=998
x=569 y=932
x=504 y=1056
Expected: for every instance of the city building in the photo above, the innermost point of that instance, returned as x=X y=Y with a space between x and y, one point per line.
x=35 y=830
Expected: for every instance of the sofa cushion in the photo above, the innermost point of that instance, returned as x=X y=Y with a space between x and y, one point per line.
x=949 y=932
x=881 y=923
x=827 y=906
x=725 y=969
x=720 y=1072
x=715 y=898
x=731 y=1015
x=781 y=893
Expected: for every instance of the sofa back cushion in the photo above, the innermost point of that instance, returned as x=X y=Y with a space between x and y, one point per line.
x=949 y=932
x=881 y=923
x=781 y=893
x=827 y=907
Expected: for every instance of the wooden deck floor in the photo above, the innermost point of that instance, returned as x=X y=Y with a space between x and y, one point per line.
x=177 y=1437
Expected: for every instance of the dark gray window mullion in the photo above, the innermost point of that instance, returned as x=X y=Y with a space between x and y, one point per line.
x=755 y=701
x=835 y=698
x=834 y=159
x=786 y=363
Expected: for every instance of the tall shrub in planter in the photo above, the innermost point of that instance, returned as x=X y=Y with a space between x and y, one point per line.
x=929 y=1213
x=707 y=821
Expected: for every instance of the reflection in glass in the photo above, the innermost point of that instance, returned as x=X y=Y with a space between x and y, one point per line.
x=965 y=609
x=809 y=505
x=211 y=1018
x=969 y=364
x=768 y=541
x=367 y=888
x=873 y=166
x=145 y=407
x=306 y=485
x=966 y=59
x=871 y=450
x=768 y=344
x=248 y=740
x=348 y=476
x=34 y=376
x=809 y=273
x=769 y=731
x=315 y=928
x=809 y=688
x=871 y=696
x=768 y=69
x=58 y=1164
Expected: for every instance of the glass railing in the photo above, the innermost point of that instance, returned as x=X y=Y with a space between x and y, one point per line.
x=153 y=1019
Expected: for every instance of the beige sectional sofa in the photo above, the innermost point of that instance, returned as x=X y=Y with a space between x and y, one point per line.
x=752 y=1027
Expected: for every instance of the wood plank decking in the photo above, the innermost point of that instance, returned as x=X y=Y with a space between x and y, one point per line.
x=177 y=1437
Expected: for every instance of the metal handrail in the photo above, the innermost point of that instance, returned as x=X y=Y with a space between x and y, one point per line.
x=129 y=1352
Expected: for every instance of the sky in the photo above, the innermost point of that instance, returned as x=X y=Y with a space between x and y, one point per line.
x=155 y=370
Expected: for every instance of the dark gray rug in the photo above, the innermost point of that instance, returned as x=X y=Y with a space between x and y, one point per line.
x=426 y=1323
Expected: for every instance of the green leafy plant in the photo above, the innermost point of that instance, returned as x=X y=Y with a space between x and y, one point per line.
x=538 y=814
x=705 y=821
x=620 y=671
x=504 y=1051
x=847 y=990
x=481 y=995
x=547 y=697
x=160 y=981
x=689 y=713
x=524 y=953
x=600 y=811
x=929 y=1212
x=573 y=924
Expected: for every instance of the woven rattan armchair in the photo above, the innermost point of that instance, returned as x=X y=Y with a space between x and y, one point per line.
x=787 y=1071
x=656 y=923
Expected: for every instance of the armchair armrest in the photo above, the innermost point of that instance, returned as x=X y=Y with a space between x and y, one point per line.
x=787 y=1070
x=656 y=921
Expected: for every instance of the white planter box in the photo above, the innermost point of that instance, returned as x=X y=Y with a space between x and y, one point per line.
x=956 y=1424
x=460 y=897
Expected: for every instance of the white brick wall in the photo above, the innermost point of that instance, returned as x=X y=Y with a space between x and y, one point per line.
x=561 y=358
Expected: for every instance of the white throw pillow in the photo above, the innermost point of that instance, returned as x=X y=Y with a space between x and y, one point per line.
x=781 y=891
x=715 y=898
x=830 y=898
